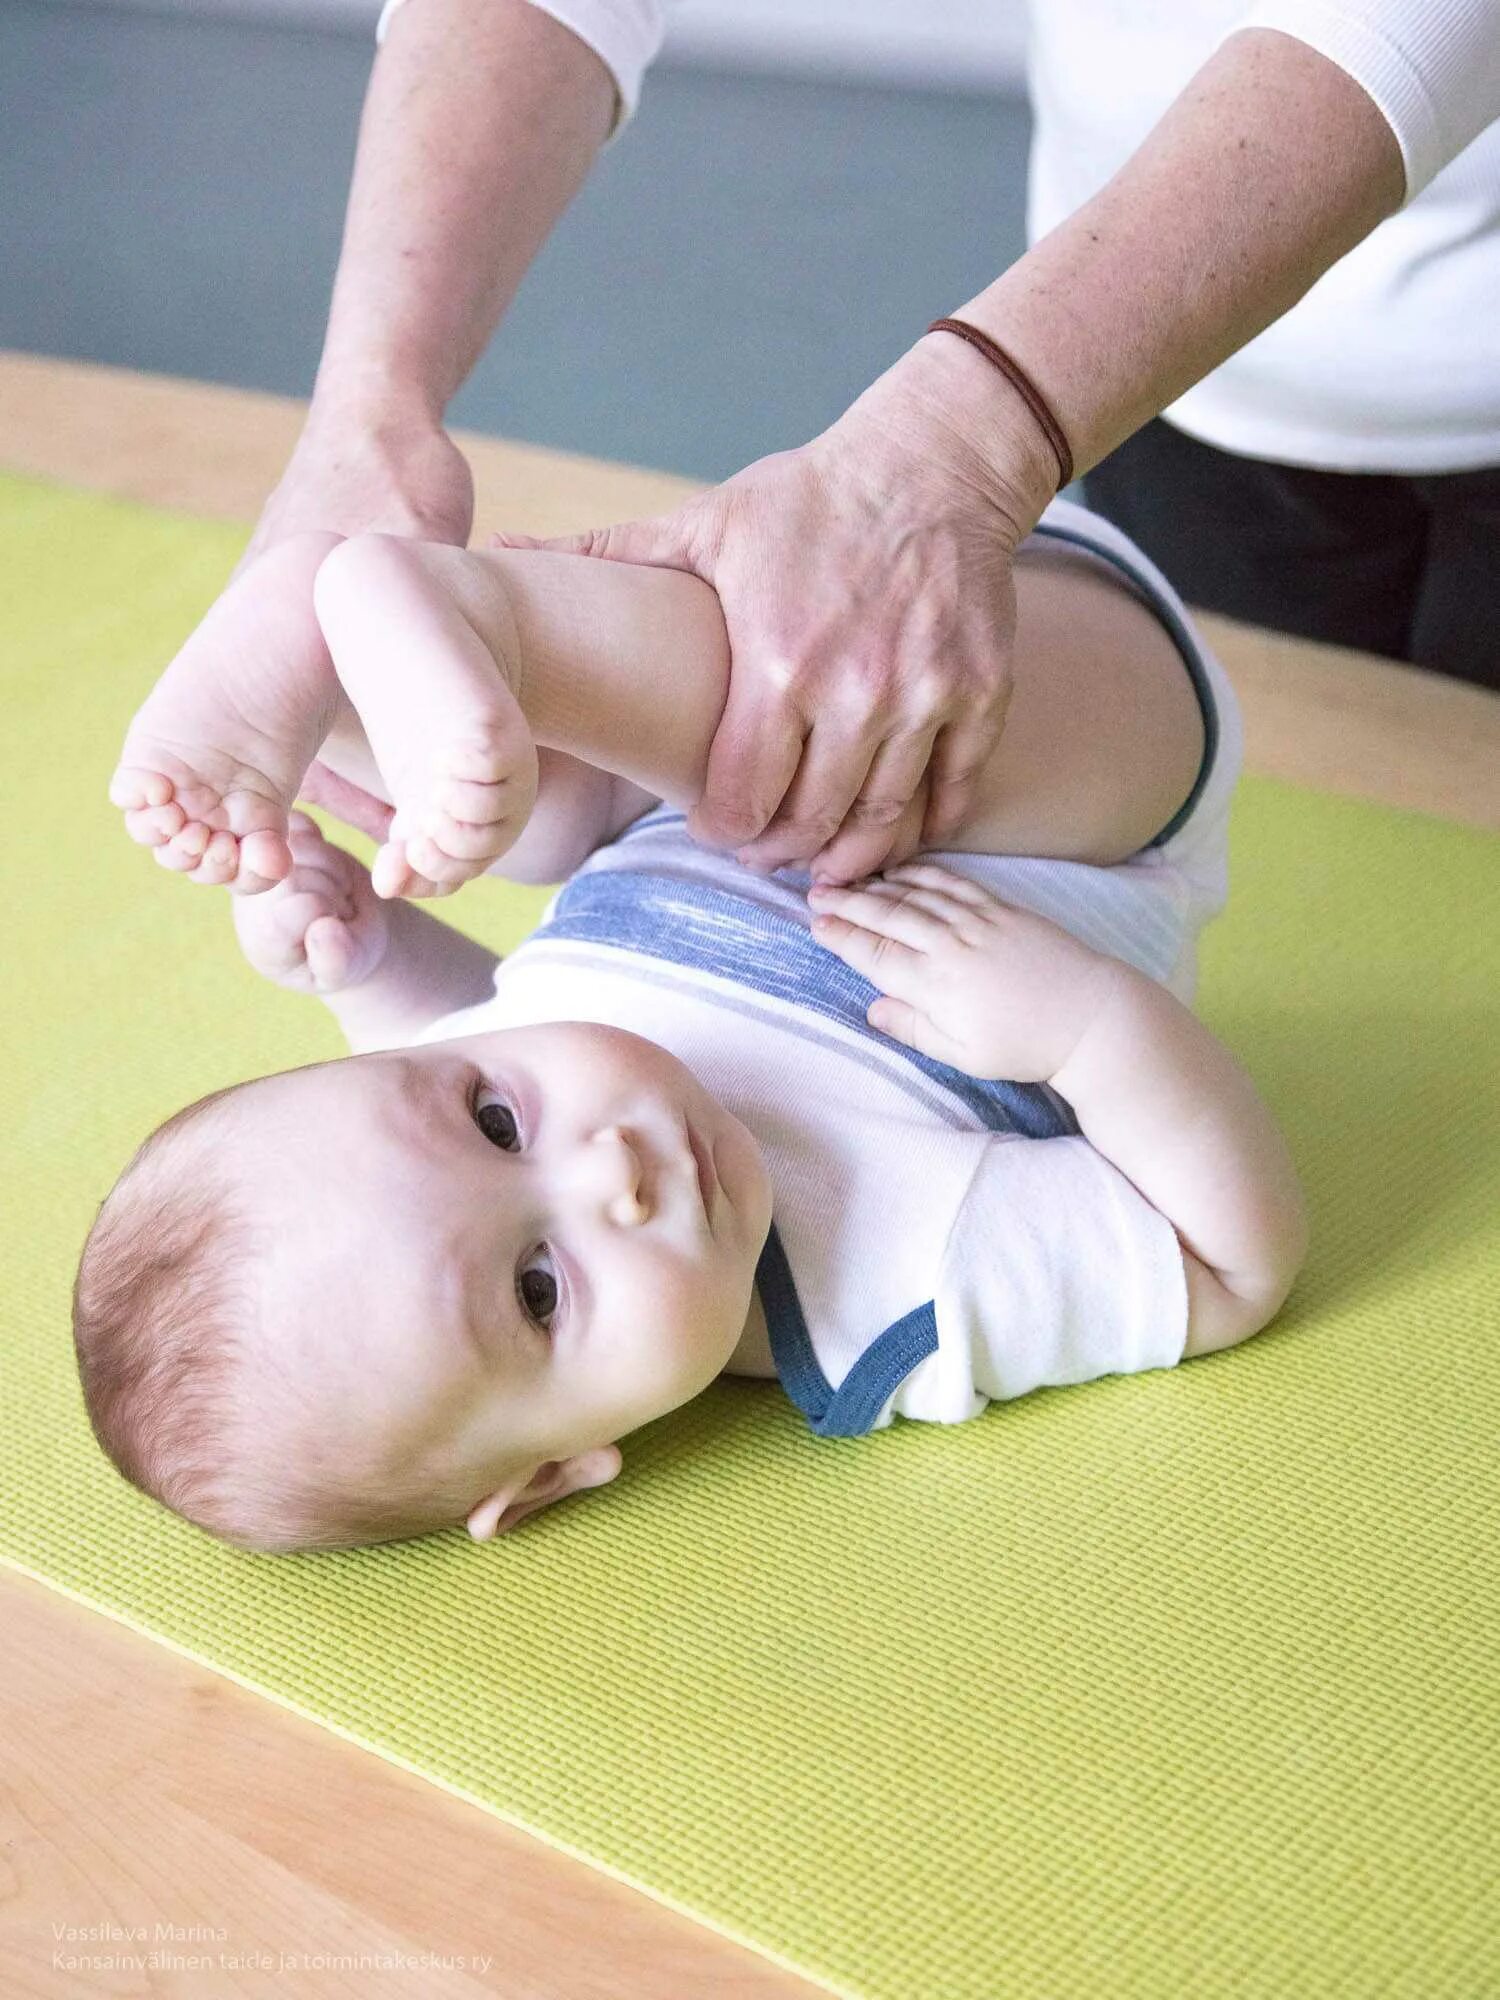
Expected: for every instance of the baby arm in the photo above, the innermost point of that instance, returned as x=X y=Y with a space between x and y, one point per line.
x=1000 y=992
x=1164 y=1100
x=384 y=970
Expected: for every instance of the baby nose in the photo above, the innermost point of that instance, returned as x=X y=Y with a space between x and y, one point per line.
x=623 y=1195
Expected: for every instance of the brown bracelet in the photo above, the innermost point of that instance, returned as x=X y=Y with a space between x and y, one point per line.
x=1013 y=372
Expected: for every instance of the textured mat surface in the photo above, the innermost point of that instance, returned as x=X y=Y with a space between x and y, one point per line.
x=1180 y=1684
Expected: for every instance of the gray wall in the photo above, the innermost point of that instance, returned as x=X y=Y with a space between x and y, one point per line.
x=746 y=256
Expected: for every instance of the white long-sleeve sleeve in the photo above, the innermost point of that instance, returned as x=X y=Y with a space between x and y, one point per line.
x=1387 y=365
x=1431 y=67
x=624 y=34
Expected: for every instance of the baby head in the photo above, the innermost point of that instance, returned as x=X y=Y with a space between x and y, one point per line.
x=376 y=1297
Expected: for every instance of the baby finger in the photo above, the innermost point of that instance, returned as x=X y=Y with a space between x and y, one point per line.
x=886 y=962
x=946 y=911
x=340 y=955
x=908 y=1024
x=893 y=916
x=329 y=950
x=942 y=881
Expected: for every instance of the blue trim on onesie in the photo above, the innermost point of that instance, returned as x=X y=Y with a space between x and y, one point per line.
x=852 y=1408
x=1182 y=637
x=690 y=923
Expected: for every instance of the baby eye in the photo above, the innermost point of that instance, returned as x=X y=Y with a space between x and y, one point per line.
x=498 y=1124
x=537 y=1289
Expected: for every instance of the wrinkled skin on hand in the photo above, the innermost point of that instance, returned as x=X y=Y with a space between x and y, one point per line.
x=866 y=586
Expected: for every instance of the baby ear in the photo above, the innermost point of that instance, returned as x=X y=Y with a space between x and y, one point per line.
x=509 y=1505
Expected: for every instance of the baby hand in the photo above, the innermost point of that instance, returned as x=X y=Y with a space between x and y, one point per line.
x=322 y=928
x=988 y=988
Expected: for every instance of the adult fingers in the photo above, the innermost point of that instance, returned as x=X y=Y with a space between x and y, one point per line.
x=879 y=816
x=833 y=768
x=350 y=803
x=751 y=761
x=959 y=755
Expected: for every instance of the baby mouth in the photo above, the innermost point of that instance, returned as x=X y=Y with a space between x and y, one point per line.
x=703 y=1159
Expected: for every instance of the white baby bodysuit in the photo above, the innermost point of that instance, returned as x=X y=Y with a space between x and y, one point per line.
x=936 y=1241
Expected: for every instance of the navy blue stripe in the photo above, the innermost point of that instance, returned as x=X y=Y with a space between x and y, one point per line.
x=792 y=1349
x=852 y=1408
x=1182 y=637
x=879 y=1372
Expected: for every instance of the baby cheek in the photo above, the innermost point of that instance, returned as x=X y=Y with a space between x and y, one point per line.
x=679 y=1302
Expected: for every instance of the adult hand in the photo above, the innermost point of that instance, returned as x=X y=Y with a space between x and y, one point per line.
x=866 y=587
x=355 y=470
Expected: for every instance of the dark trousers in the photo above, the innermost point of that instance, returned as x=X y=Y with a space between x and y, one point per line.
x=1405 y=565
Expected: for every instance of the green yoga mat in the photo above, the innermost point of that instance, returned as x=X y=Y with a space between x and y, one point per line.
x=1181 y=1684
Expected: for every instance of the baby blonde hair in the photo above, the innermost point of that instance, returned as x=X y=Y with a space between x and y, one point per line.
x=183 y=1397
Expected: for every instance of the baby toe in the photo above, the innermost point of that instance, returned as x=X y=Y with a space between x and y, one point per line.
x=469 y=802
x=428 y=859
x=265 y=856
x=153 y=826
x=463 y=841
x=133 y=786
x=186 y=849
x=220 y=860
x=390 y=875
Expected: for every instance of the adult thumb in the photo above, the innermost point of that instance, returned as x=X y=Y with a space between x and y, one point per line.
x=659 y=543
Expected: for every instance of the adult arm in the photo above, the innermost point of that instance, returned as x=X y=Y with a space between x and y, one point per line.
x=1264 y=172
x=865 y=578
x=481 y=120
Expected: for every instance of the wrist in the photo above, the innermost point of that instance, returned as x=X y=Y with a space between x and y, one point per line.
x=1117 y=1003
x=362 y=464
x=979 y=424
x=375 y=391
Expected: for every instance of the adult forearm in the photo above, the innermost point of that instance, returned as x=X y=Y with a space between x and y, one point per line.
x=1165 y=1101
x=481 y=121
x=1264 y=172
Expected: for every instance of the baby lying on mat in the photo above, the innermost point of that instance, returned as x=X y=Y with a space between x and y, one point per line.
x=703 y=1121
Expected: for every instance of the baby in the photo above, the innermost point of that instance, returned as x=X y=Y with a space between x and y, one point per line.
x=704 y=1121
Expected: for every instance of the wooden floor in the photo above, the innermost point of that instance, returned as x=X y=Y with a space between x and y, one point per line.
x=141 y=1789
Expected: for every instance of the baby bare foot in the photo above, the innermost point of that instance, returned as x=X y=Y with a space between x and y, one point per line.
x=425 y=649
x=213 y=758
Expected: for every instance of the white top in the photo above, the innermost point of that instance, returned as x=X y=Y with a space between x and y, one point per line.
x=1389 y=363
x=936 y=1241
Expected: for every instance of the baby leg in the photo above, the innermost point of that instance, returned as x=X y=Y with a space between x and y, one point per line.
x=435 y=691
x=457 y=661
